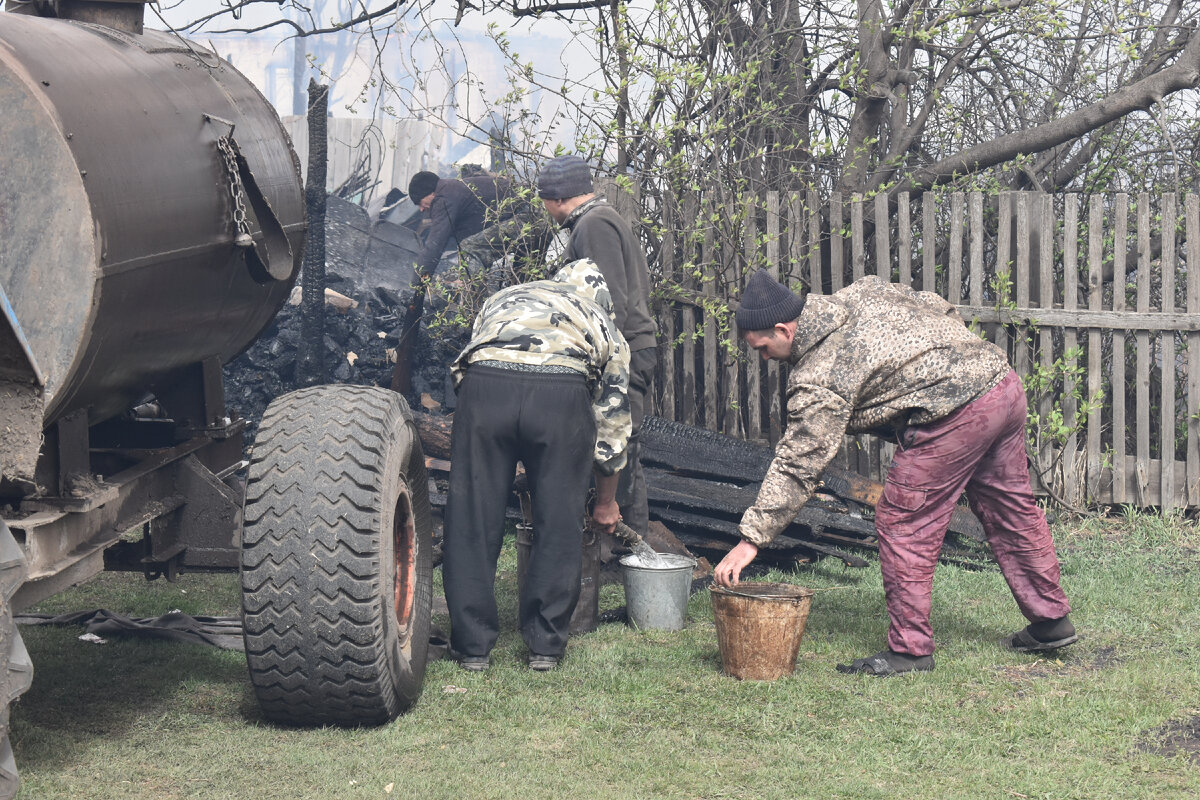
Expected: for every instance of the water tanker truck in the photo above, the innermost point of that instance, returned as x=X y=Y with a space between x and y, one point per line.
x=152 y=223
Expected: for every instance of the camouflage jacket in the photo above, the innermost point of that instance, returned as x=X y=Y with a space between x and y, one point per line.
x=566 y=322
x=874 y=357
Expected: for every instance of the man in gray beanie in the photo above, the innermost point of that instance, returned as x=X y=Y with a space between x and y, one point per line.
x=881 y=358
x=600 y=234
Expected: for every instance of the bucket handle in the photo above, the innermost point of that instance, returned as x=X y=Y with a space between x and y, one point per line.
x=736 y=593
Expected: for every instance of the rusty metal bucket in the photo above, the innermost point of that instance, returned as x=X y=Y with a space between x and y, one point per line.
x=759 y=628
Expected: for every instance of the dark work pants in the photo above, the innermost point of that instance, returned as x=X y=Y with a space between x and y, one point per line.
x=631 y=488
x=979 y=448
x=545 y=422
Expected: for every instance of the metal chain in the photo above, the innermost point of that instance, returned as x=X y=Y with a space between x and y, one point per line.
x=236 y=192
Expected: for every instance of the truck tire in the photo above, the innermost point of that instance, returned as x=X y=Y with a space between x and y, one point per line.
x=336 y=569
x=16 y=670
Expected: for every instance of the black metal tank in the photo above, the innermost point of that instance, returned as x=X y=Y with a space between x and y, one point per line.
x=125 y=160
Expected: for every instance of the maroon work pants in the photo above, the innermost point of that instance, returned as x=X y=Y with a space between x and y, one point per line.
x=979 y=448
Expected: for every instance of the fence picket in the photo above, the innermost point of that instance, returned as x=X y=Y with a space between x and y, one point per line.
x=1004 y=260
x=687 y=315
x=1117 y=391
x=837 y=263
x=1023 y=246
x=711 y=373
x=754 y=363
x=774 y=418
x=1166 y=350
x=1192 y=226
x=1142 y=340
x=928 y=244
x=1095 y=352
x=883 y=247
x=1070 y=249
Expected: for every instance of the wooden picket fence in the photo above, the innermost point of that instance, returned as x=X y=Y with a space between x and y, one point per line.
x=1139 y=446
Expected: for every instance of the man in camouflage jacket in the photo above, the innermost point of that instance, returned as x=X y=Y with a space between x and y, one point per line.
x=544 y=381
x=882 y=358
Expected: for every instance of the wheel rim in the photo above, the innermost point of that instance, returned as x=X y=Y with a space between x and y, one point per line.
x=404 y=548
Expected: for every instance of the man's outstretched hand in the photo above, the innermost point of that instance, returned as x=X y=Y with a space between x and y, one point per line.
x=729 y=571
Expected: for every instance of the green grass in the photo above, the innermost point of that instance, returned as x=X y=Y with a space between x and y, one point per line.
x=649 y=715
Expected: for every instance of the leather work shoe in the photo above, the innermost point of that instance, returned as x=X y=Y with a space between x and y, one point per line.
x=540 y=663
x=474 y=663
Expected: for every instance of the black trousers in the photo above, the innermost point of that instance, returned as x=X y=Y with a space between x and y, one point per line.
x=545 y=422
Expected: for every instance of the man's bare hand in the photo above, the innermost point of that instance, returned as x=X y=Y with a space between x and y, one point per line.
x=729 y=571
x=606 y=515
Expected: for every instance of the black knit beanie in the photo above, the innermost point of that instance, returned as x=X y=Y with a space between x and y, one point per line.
x=766 y=302
x=421 y=186
x=564 y=177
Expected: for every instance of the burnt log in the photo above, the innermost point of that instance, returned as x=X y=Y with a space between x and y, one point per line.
x=699 y=483
x=687 y=450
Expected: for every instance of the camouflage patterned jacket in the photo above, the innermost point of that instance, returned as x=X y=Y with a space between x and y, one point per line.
x=874 y=357
x=565 y=322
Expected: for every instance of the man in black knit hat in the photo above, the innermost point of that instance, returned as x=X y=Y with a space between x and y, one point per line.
x=600 y=234
x=457 y=209
x=882 y=358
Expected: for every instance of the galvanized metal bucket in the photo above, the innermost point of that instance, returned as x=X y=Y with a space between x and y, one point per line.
x=656 y=595
x=759 y=628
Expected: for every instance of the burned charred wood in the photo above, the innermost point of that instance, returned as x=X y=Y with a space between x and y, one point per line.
x=434 y=433
x=310 y=355
x=700 y=483
x=687 y=450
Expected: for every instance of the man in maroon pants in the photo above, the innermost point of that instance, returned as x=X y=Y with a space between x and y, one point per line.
x=883 y=358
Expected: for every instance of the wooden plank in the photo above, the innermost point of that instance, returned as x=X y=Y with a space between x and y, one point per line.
x=774 y=420
x=928 y=243
x=669 y=268
x=1070 y=246
x=1095 y=361
x=712 y=381
x=1044 y=209
x=1166 y=351
x=954 y=266
x=976 y=266
x=753 y=364
x=904 y=235
x=837 y=249
x=811 y=213
x=860 y=459
x=1004 y=262
x=858 y=250
x=1192 y=227
x=1142 y=339
x=883 y=245
x=731 y=422
x=1120 y=243
x=876 y=457
x=687 y=313
x=1023 y=244
x=1085 y=318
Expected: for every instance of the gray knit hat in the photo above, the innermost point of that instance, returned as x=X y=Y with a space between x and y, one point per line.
x=766 y=302
x=564 y=177
x=422 y=185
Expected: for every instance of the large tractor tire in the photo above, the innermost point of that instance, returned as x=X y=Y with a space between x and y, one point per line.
x=16 y=670
x=337 y=570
